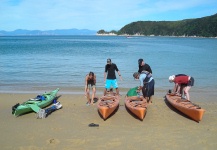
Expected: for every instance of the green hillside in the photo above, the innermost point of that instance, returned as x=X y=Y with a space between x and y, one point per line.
x=204 y=27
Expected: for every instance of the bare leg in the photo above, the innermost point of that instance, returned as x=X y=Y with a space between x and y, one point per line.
x=88 y=96
x=187 y=92
x=93 y=95
x=105 y=90
x=117 y=91
x=150 y=99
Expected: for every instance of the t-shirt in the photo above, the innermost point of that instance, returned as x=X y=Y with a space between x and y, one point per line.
x=142 y=78
x=146 y=67
x=132 y=92
x=90 y=81
x=181 y=79
x=111 y=68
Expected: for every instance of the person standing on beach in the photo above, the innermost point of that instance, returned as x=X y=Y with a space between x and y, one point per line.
x=90 y=82
x=110 y=77
x=143 y=66
x=180 y=80
x=146 y=84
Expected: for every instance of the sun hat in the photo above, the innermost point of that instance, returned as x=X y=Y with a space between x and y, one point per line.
x=171 y=78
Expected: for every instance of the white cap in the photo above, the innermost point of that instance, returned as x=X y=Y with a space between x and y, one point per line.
x=171 y=78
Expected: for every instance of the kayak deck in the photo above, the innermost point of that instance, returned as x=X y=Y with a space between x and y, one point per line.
x=190 y=109
x=107 y=105
x=137 y=107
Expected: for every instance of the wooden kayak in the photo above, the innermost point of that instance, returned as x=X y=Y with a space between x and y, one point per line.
x=34 y=104
x=138 y=107
x=185 y=106
x=108 y=104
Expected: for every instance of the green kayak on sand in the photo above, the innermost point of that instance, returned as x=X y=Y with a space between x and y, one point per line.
x=35 y=104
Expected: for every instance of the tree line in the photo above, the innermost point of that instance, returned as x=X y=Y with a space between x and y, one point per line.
x=202 y=27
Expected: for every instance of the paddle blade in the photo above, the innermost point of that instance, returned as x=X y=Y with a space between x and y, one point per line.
x=35 y=108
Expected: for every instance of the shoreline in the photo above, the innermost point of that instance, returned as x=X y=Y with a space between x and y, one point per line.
x=196 y=94
x=140 y=35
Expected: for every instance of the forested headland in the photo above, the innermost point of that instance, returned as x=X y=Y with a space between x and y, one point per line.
x=199 y=27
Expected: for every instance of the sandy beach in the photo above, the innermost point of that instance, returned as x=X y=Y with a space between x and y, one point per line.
x=67 y=128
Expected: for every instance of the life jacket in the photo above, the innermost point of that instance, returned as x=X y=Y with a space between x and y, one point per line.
x=148 y=76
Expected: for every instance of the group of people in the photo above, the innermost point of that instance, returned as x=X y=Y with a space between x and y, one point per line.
x=109 y=79
x=183 y=82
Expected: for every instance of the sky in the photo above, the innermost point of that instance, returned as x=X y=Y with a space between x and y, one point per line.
x=97 y=14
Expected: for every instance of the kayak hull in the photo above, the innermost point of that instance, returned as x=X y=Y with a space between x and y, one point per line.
x=25 y=107
x=136 y=107
x=107 y=105
x=186 y=107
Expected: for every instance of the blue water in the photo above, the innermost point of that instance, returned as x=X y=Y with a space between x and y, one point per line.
x=34 y=62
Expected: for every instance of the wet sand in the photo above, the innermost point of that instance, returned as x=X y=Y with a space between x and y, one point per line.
x=67 y=128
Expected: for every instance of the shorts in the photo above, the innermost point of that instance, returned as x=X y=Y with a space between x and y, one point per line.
x=111 y=82
x=91 y=86
x=191 y=82
x=148 y=89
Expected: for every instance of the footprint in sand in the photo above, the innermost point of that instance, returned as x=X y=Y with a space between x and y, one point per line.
x=56 y=129
x=53 y=141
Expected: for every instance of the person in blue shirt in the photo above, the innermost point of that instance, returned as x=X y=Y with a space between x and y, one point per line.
x=146 y=84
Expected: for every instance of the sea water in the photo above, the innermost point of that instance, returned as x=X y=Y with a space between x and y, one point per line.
x=34 y=62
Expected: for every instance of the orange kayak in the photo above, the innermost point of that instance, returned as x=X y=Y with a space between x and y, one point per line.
x=137 y=107
x=107 y=105
x=187 y=107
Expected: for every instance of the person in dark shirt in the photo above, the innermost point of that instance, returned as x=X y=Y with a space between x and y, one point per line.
x=90 y=82
x=110 y=77
x=143 y=66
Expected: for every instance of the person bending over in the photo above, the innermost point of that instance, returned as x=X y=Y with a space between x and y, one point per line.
x=180 y=80
x=90 y=82
x=146 y=84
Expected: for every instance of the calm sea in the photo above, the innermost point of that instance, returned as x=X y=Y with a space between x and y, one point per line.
x=33 y=62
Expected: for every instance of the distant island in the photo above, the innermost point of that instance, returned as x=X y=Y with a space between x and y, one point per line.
x=200 y=27
x=21 y=32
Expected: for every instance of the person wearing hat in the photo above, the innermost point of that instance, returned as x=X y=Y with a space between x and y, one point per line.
x=110 y=77
x=178 y=89
x=180 y=80
x=90 y=82
x=146 y=84
x=143 y=66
